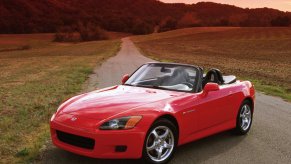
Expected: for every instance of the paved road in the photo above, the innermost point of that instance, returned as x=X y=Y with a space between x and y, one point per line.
x=269 y=140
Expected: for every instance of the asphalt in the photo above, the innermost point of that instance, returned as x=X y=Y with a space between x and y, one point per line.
x=269 y=140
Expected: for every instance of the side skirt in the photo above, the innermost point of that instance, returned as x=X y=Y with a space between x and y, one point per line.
x=209 y=131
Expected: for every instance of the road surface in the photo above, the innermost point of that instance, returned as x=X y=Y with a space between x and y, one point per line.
x=269 y=140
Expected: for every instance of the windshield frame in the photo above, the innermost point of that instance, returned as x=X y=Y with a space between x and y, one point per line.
x=195 y=86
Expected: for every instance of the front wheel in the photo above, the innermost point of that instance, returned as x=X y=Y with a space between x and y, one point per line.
x=160 y=142
x=244 y=118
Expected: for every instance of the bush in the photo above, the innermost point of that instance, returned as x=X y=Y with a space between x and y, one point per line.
x=82 y=32
x=66 y=34
x=91 y=32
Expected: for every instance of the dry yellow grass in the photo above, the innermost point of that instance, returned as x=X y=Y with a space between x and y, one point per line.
x=34 y=82
x=260 y=54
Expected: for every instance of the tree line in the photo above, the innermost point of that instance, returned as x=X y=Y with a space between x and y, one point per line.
x=132 y=16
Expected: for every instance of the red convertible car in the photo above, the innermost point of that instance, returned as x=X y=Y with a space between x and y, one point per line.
x=159 y=107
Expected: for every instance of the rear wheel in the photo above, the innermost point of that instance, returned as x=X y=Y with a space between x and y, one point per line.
x=244 y=118
x=160 y=142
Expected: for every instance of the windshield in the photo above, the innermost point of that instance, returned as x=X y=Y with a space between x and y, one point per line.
x=164 y=76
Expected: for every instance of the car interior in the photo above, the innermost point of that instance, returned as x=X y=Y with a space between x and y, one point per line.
x=177 y=78
x=180 y=78
x=215 y=76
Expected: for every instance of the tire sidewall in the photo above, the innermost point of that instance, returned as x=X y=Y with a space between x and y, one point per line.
x=160 y=122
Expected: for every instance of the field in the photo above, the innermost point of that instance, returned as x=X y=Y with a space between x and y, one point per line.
x=36 y=76
x=262 y=55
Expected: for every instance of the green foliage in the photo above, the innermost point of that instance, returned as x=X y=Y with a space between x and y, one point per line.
x=275 y=90
x=22 y=153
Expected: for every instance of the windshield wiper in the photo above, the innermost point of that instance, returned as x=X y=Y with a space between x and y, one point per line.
x=150 y=86
x=128 y=84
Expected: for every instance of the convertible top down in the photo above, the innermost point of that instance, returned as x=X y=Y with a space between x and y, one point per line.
x=157 y=108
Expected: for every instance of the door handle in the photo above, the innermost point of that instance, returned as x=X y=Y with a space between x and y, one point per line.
x=189 y=111
x=230 y=93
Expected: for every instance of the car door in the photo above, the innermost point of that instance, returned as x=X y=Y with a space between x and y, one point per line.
x=212 y=109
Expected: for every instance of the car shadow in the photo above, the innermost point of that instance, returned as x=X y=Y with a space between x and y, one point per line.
x=197 y=152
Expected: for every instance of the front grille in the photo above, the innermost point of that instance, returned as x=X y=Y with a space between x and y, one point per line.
x=75 y=140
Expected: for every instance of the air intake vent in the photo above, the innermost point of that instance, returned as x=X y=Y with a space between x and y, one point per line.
x=79 y=141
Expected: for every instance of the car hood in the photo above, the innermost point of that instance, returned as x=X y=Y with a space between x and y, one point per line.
x=108 y=102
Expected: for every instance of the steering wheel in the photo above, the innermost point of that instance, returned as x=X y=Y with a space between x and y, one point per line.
x=188 y=84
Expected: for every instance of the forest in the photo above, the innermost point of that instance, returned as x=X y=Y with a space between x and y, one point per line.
x=131 y=16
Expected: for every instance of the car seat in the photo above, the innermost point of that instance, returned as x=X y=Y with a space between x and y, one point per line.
x=179 y=76
x=214 y=76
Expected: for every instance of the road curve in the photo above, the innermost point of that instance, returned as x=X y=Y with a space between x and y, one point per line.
x=269 y=140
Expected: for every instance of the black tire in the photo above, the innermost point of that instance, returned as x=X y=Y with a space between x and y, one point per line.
x=240 y=129
x=157 y=124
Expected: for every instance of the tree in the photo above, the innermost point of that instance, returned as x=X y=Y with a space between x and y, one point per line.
x=81 y=32
x=168 y=23
x=141 y=28
x=90 y=32
x=190 y=19
x=281 y=21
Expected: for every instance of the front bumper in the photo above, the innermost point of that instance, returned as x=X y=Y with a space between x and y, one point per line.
x=106 y=141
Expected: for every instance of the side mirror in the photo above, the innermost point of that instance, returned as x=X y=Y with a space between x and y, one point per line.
x=209 y=87
x=124 y=78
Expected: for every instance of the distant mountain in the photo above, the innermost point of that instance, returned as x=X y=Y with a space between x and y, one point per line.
x=135 y=16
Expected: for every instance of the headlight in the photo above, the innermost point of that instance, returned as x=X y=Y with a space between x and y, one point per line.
x=121 y=123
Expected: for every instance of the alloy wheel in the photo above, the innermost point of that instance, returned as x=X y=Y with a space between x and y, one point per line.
x=160 y=143
x=245 y=117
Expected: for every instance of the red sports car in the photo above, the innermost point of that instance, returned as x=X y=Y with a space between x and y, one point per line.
x=159 y=107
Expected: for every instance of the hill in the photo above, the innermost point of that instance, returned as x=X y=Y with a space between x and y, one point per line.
x=134 y=16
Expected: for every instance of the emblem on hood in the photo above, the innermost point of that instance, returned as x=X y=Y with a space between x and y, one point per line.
x=73 y=118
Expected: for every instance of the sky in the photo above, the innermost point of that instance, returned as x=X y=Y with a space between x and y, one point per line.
x=284 y=5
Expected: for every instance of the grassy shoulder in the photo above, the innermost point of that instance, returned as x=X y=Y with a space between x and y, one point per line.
x=273 y=90
x=261 y=55
x=33 y=83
